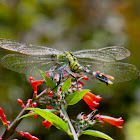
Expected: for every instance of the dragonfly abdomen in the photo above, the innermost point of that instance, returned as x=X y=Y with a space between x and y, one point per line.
x=98 y=75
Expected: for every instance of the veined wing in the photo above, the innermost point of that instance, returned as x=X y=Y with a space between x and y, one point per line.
x=27 y=48
x=29 y=65
x=120 y=71
x=108 y=54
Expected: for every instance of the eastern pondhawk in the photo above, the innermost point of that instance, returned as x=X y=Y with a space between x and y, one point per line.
x=33 y=58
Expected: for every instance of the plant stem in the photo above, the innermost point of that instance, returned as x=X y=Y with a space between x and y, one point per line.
x=10 y=130
x=42 y=93
x=75 y=137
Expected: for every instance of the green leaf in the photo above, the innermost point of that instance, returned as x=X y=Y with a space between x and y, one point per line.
x=27 y=115
x=49 y=81
x=66 y=85
x=76 y=97
x=55 y=120
x=31 y=114
x=96 y=133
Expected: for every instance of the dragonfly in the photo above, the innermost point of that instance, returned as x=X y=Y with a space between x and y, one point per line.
x=103 y=64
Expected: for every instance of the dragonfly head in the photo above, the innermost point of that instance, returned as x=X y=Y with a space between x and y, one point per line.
x=53 y=57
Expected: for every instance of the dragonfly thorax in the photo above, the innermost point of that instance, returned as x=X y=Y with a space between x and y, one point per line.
x=73 y=62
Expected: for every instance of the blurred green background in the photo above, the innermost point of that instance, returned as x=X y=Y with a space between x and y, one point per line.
x=74 y=25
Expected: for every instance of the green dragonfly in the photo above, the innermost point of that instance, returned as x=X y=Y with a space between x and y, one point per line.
x=32 y=58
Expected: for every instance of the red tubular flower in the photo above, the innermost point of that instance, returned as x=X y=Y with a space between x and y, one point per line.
x=27 y=135
x=29 y=102
x=80 y=82
x=91 y=100
x=3 y=118
x=21 y=133
x=111 y=120
x=94 y=97
x=49 y=107
x=1 y=139
x=47 y=124
x=21 y=103
x=35 y=84
x=34 y=138
x=84 y=78
x=50 y=92
x=35 y=116
x=34 y=104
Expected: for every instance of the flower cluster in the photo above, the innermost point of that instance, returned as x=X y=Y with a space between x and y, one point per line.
x=34 y=104
x=50 y=100
x=31 y=104
x=82 y=122
x=92 y=100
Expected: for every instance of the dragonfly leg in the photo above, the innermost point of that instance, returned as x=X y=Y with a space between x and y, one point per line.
x=60 y=77
x=72 y=75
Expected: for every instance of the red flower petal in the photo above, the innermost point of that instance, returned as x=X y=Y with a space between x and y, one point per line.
x=21 y=103
x=50 y=92
x=49 y=107
x=80 y=82
x=91 y=103
x=34 y=104
x=3 y=117
x=27 y=135
x=47 y=124
x=35 y=84
x=111 y=120
x=21 y=133
x=84 y=78
x=34 y=138
x=93 y=96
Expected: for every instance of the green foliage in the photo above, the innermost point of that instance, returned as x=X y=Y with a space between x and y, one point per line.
x=55 y=120
x=66 y=85
x=96 y=133
x=31 y=114
x=49 y=81
x=76 y=97
x=27 y=115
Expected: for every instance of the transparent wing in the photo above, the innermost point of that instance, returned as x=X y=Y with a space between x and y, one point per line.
x=108 y=54
x=27 y=48
x=120 y=71
x=29 y=65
